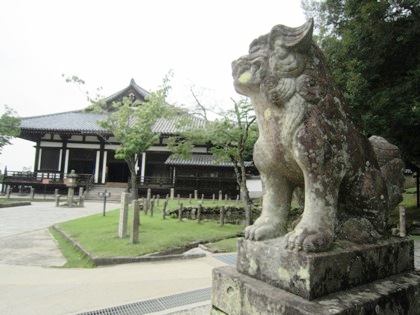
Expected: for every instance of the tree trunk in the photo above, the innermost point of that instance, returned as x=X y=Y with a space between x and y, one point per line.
x=240 y=173
x=134 y=186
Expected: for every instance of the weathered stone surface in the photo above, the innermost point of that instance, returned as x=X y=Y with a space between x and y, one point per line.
x=238 y=294
x=308 y=140
x=311 y=275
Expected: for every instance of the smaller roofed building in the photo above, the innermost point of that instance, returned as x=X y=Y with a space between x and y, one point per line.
x=75 y=141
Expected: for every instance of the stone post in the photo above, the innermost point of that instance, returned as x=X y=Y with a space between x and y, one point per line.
x=226 y=198
x=220 y=196
x=122 y=227
x=57 y=200
x=70 y=197
x=181 y=207
x=214 y=198
x=136 y=222
x=222 y=216
x=32 y=193
x=165 y=204
x=152 y=206
x=148 y=199
x=8 y=192
x=178 y=197
x=56 y=192
x=189 y=199
x=172 y=193
x=403 y=226
x=200 y=208
x=144 y=206
x=195 y=195
x=82 y=200
x=202 y=198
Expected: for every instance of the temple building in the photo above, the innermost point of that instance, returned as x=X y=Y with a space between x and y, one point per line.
x=75 y=141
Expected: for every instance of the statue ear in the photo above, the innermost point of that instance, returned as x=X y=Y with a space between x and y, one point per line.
x=298 y=38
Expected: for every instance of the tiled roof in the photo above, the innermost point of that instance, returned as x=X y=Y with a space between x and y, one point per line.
x=200 y=160
x=70 y=122
x=177 y=124
x=84 y=122
x=87 y=123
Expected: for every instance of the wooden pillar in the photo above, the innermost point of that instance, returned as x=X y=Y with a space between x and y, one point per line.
x=143 y=167
x=37 y=156
x=104 y=164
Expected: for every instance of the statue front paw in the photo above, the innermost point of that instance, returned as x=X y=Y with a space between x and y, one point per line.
x=308 y=241
x=263 y=229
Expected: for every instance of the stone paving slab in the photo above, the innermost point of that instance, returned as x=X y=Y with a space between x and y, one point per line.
x=41 y=215
x=36 y=248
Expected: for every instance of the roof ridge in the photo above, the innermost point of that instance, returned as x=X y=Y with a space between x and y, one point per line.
x=133 y=85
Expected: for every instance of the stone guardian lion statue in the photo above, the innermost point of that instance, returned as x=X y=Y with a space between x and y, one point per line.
x=308 y=140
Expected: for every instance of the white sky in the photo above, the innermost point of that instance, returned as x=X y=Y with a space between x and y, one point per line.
x=106 y=43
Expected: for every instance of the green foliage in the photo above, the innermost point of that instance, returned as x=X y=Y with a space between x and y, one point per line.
x=373 y=50
x=9 y=126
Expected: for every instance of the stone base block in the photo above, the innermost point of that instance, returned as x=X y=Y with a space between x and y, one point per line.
x=312 y=275
x=235 y=293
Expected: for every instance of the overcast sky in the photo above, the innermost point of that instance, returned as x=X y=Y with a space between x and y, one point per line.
x=106 y=43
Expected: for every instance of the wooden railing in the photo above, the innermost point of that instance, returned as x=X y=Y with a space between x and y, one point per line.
x=188 y=183
x=45 y=177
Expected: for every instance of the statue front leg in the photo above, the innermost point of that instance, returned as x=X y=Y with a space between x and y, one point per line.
x=275 y=209
x=315 y=231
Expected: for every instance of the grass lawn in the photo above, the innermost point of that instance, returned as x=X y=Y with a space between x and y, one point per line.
x=99 y=235
x=75 y=259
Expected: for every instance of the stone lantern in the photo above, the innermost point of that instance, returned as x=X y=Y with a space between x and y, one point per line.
x=71 y=184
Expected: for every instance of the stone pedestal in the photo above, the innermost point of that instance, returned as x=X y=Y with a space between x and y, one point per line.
x=349 y=279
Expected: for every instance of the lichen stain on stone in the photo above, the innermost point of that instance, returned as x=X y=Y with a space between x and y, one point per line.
x=253 y=267
x=303 y=273
x=245 y=77
x=267 y=114
x=284 y=275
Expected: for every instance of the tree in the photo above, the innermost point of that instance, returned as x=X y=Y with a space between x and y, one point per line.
x=131 y=124
x=231 y=136
x=373 y=50
x=9 y=126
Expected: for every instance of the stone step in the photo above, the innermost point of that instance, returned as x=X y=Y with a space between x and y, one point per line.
x=114 y=190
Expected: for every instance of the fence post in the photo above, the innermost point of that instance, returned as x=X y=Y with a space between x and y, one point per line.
x=165 y=204
x=200 y=207
x=403 y=229
x=136 y=221
x=181 y=207
x=222 y=216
